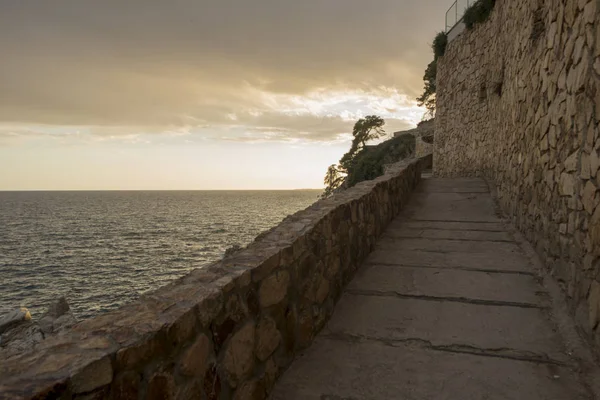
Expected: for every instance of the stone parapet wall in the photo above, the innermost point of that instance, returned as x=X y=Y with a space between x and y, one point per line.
x=422 y=147
x=423 y=134
x=227 y=330
x=518 y=102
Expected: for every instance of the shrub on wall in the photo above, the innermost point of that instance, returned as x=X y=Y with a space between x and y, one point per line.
x=439 y=45
x=365 y=129
x=475 y=14
x=427 y=99
x=479 y=12
x=370 y=162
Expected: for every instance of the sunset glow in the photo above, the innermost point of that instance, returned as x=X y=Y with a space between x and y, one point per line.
x=200 y=95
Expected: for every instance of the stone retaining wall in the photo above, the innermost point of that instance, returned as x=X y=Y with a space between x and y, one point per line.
x=424 y=134
x=518 y=102
x=230 y=329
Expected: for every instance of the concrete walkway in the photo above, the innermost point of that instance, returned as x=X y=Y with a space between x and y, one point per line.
x=447 y=307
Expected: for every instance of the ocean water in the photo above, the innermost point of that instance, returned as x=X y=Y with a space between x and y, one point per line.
x=103 y=249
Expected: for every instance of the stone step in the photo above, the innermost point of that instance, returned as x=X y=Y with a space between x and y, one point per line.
x=458 y=207
x=492 y=248
x=364 y=369
x=400 y=223
x=446 y=322
x=449 y=283
x=515 y=262
x=412 y=233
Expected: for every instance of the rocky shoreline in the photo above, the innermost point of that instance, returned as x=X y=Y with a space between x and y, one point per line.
x=19 y=333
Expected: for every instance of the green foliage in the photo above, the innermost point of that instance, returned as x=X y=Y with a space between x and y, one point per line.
x=364 y=162
x=439 y=45
x=365 y=129
x=369 y=163
x=368 y=128
x=479 y=12
x=333 y=180
x=427 y=99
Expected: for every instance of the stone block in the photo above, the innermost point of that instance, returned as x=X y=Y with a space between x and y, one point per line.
x=322 y=290
x=183 y=329
x=212 y=383
x=271 y=373
x=305 y=330
x=588 y=198
x=194 y=360
x=235 y=308
x=137 y=354
x=585 y=166
x=571 y=162
x=191 y=390
x=594 y=163
x=567 y=184
x=289 y=330
x=589 y=12
x=95 y=375
x=265 y=268
x=251 y=390
x=239 y=354
x=267 y=338
x=126 y=386
x=161 y=387
x=594 y=230
x=210 y=307
x=594 y=304
x=274 y=288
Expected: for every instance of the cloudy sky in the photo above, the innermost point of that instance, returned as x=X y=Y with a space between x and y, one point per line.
x=201 y=94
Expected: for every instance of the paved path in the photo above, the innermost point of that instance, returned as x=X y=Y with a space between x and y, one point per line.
x=447 y=307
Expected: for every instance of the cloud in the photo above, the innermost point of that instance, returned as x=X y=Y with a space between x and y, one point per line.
x=112 y=68
x=9 y=136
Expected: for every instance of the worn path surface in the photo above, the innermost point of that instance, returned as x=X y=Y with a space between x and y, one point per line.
x=447 y=307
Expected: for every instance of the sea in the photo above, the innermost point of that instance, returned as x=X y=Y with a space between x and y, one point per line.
x=103 y=249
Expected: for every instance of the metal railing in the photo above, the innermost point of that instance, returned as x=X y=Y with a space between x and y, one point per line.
x=455 y=13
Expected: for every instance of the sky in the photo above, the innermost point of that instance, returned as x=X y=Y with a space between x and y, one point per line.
x=201 y=94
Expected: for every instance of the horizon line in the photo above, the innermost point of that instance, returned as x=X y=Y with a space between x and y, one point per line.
x=159 y=190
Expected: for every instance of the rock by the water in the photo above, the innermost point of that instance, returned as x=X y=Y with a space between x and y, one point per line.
x=229 y=252
x=57 y=318
x=20 y=339
x=14 y=318
x=19 y=333
x=58 y=308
